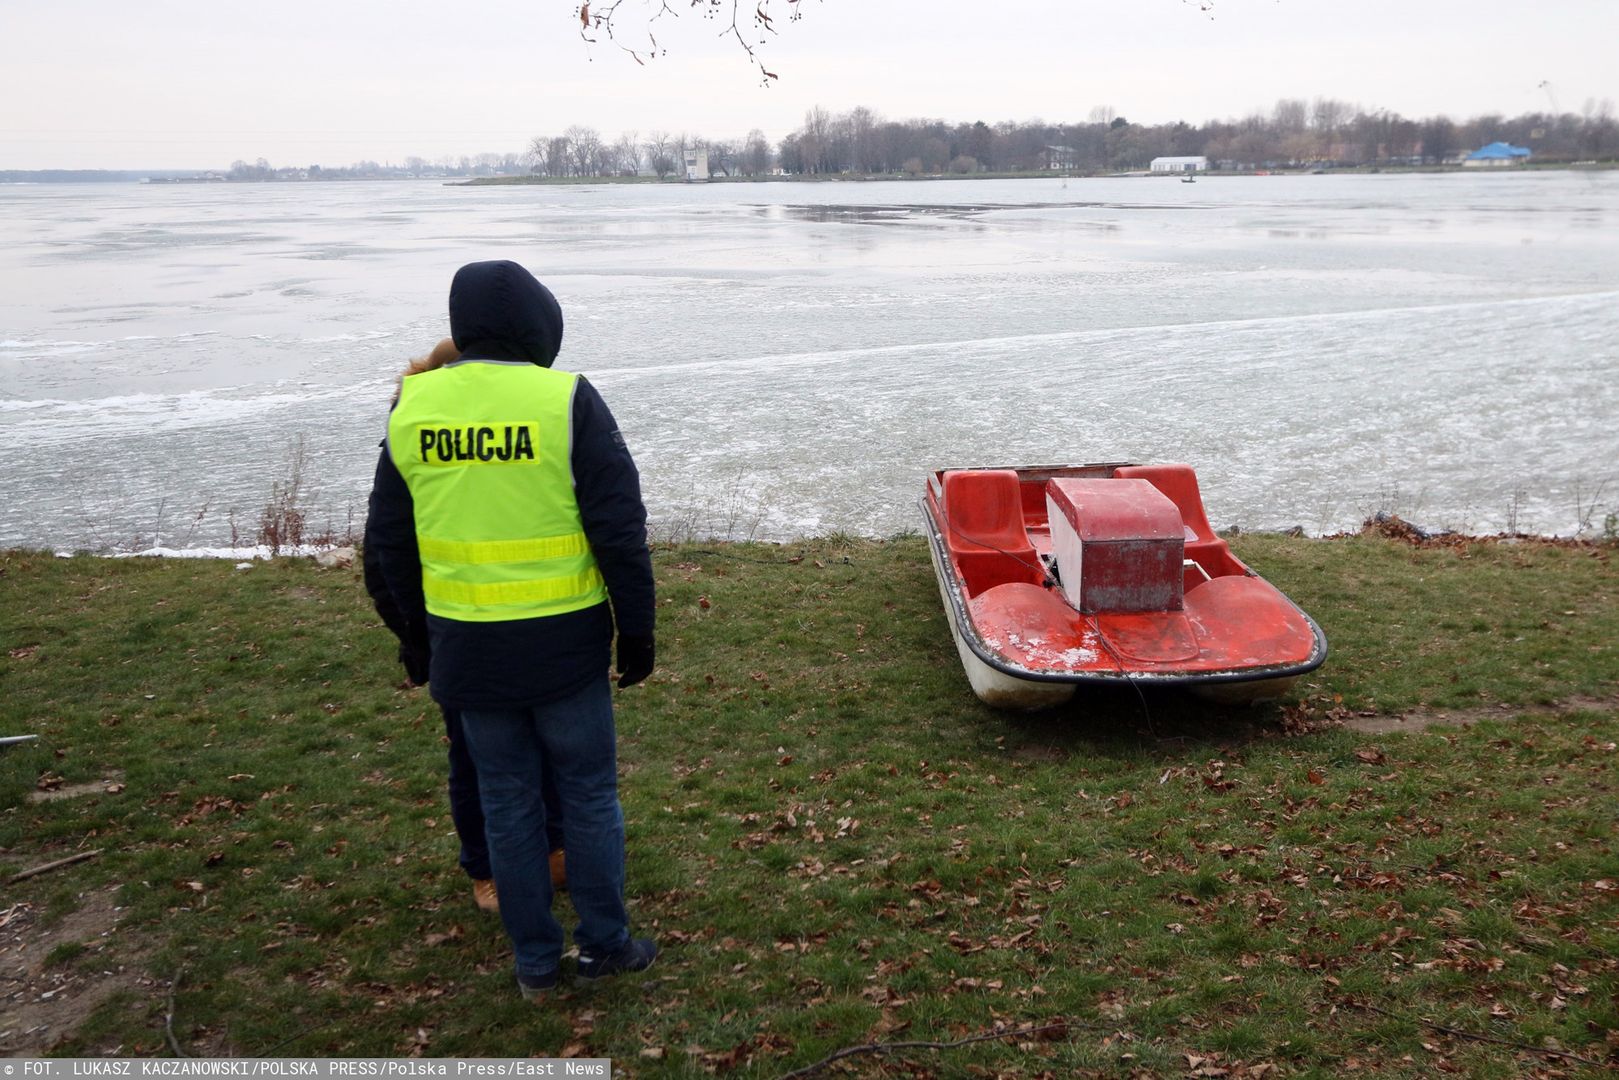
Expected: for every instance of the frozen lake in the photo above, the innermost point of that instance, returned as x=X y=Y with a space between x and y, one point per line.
x=792 y=359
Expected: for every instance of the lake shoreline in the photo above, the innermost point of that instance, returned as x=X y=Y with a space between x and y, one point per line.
x=342 y=550
x=823 y=178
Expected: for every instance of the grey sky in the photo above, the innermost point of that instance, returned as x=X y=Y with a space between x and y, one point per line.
x=200 y=83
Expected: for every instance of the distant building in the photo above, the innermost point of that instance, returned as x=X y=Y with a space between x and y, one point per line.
x=696 y=166
x=1496 y=154
x=1061 y=157
x=1180 y=164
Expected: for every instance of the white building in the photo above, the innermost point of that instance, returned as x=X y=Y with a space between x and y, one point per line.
x=696 y=165
x=1180 y=164
x=1061 y=157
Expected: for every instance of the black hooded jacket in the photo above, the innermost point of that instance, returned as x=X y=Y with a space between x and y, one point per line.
x=499 y=311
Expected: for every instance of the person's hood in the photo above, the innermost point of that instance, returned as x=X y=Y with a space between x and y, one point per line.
x=500 y=311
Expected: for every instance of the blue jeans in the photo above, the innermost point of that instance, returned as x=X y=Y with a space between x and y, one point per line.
x=466 y=805
x=512 y=750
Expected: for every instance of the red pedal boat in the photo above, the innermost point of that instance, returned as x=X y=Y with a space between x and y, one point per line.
x=1058 y=576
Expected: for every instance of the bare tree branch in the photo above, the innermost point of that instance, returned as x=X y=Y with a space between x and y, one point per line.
x=168 y=1019
x=1055 y=1028
x=1474 y=1036
x=24 y=875
x=608 y=18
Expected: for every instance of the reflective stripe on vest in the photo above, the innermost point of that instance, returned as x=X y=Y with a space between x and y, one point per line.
x=484 y=447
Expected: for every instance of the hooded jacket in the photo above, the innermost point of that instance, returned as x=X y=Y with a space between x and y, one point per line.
x=499 y=311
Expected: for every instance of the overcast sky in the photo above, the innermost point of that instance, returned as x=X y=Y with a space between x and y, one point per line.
x=201 y=83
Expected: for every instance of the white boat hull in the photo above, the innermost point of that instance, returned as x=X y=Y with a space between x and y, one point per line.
x=994 y=688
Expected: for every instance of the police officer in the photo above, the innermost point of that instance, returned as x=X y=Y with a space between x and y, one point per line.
x=509 y=524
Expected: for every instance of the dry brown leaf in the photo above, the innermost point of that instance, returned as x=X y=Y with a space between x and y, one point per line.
x=454 y=933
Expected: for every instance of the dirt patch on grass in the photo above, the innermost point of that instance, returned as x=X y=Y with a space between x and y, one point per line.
x=111 y=784
x=1423 y=719
x=1040 y=753
x=50 y=980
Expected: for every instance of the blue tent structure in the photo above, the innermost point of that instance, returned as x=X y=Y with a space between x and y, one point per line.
x=1500 y=152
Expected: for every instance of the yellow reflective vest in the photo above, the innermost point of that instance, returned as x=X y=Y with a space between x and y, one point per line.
x=484 y=446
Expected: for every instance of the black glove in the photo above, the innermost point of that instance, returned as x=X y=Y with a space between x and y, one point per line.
x=636 y=659
x=415 y=658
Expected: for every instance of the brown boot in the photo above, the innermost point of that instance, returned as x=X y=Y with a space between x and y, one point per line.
x=483 y=894
x=559 y=871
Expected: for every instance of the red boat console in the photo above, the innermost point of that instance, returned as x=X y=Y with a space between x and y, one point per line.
x=1119 y=545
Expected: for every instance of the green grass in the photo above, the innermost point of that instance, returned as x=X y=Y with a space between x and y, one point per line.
x=835 y=843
